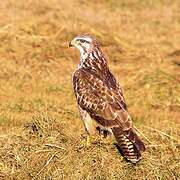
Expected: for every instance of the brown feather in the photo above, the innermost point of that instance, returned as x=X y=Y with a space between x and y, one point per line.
x=128 y=144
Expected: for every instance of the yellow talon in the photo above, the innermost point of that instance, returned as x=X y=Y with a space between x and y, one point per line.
x=88 y=140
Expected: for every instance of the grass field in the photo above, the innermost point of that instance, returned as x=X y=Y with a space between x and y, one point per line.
x=41 y=134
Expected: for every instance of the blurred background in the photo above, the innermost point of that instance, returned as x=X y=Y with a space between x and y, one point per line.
x=41 y=134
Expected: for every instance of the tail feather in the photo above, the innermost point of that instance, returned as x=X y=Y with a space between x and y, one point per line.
x=129 y=144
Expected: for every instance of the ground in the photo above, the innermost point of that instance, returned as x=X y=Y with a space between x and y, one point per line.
x=41 y=134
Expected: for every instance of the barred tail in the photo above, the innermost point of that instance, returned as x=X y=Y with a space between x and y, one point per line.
x=129 y=144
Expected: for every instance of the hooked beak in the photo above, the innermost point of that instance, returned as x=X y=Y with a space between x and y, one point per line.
x=72 y=43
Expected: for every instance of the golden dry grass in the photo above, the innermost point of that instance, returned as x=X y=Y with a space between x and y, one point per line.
x=41 y=133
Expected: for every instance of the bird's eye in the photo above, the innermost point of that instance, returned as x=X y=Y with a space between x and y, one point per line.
x=83 y=41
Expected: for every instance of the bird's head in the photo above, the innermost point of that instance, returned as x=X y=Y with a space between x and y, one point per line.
x=85 y=43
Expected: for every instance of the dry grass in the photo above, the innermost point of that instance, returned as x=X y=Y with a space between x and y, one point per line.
x=41 y=133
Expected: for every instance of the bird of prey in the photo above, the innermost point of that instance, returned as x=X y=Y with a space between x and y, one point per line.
x=100 y=98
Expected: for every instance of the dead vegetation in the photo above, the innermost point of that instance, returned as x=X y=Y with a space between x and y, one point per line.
x=41 y=134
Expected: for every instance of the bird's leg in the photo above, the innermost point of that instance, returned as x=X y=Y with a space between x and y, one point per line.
x=103 y=132
x=86 y=142
x=88 y=124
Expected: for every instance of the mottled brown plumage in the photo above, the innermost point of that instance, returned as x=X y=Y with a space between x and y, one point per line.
x=100 y=98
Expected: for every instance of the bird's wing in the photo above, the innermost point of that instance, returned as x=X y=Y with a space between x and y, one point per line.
x=103 y=103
